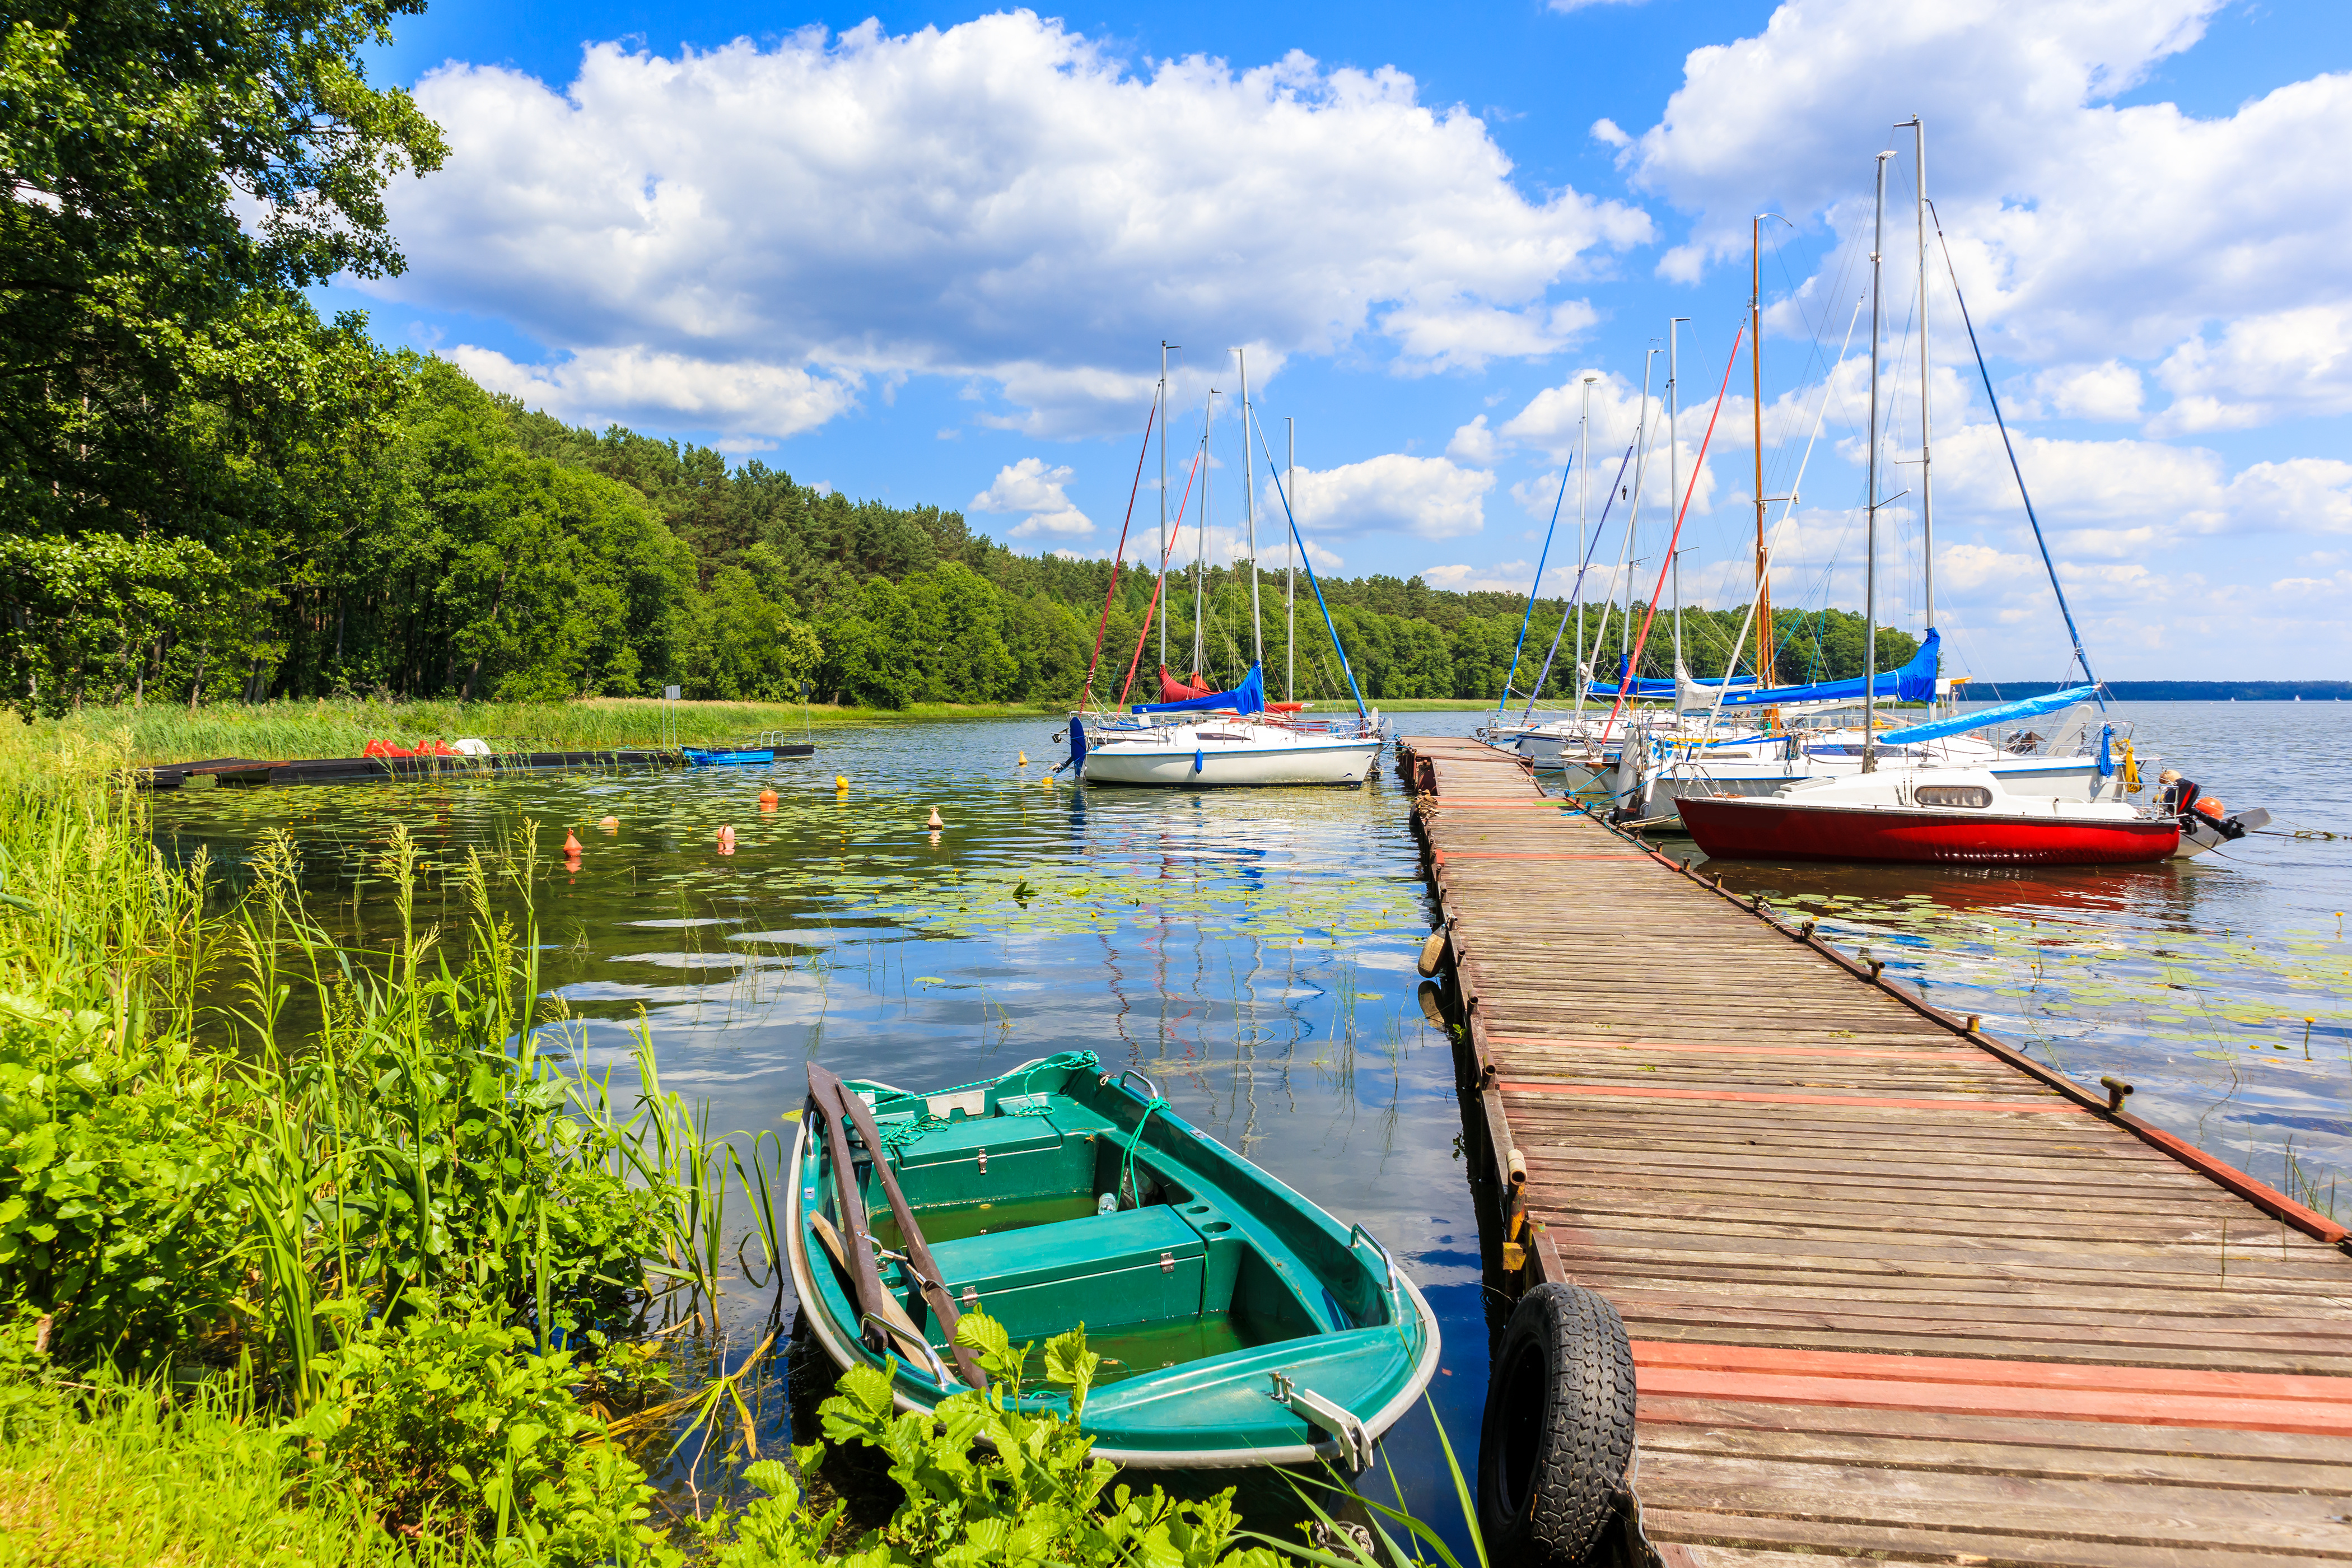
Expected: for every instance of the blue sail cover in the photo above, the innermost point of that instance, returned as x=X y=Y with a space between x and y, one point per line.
x=1653 y=686
x=1650 y=686
x=1249 y=696
x=2023 y=707
x=1914 y=682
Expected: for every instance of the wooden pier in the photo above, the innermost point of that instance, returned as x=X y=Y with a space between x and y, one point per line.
x=1897 y=1293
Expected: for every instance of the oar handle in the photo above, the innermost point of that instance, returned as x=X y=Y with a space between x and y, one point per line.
x=928 y=1281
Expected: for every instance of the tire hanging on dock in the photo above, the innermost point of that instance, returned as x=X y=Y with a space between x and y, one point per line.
x=1559 y=1429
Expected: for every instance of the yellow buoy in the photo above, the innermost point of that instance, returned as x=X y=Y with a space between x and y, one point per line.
x=841 y=780
x=1024 y=758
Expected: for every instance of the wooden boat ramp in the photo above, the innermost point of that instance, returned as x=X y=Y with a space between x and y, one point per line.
x=1896 y=1292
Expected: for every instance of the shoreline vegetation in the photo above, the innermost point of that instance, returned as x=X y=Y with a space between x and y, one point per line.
x=162 y=732
x=315 y=1251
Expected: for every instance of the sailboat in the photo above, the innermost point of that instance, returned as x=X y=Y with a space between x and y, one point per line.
x=1201 y=739
x=1927 y=806
x=1653 y=779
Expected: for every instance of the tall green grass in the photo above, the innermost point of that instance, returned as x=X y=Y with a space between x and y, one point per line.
x=352 y=1188
x=137 y=1480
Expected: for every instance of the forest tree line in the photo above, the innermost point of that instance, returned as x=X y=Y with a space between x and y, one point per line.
x=209 y=494
x=462 y=545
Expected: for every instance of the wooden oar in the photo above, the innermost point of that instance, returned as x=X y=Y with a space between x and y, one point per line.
x=894 y=1316
x=865 y=1276
x=918 y=1251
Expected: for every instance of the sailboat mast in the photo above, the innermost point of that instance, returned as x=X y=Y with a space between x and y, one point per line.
x=1674 y=489
x=1201 y=537
x=1160 y=596
x=1249 y=507
x=1927 y=423
x=1584 y=504
x=1764 y=637
x=1290 y=575
x=1870 y=533
x=1633 y=523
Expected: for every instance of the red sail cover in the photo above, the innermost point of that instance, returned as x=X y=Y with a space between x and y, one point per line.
x=1175 y=691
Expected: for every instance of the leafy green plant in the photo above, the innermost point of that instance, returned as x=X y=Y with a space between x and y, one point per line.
x=448 y=1423
x=1036 y=1494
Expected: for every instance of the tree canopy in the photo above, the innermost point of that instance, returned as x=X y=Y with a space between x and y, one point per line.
x=210 y=494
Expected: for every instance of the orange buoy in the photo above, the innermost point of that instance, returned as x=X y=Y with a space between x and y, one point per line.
x=768 y=799
x=935 y=823
x=572 y=845
x=610 y=825
x=726 y=841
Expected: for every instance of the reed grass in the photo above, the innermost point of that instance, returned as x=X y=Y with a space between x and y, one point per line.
x=163 y=732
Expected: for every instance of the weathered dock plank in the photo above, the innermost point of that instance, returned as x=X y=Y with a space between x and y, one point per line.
x=1896 y=1292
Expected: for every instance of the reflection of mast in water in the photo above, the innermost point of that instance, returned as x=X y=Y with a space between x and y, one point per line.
x=1118 y=990
x=1245 y=1043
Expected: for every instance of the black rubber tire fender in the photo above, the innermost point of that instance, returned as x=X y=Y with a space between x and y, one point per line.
x=1559 y=1429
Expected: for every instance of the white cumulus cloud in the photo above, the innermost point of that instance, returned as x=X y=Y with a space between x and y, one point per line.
x=1033 y=492
x=599 y=385
x=1431 y=497
x=2111 y=390
x=1002 y=200
x=2084 y=231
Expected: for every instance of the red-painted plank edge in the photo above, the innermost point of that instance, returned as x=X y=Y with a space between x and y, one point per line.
x=2263 y=1195
x=1875 y=1101
x=1773 y=1360
x=2131 y=1409
x=1916 y=1052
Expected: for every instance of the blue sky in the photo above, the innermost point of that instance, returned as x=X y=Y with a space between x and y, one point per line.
x=928 y=255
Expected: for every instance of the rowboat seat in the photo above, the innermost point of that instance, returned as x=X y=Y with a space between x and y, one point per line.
x=1138 y=1265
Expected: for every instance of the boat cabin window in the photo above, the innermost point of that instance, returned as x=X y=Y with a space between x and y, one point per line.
x=1973 y=795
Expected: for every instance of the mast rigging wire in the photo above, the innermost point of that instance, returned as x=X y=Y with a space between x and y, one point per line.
x=1697 y=468
x=1787 y=511
x=1577 y=595
x=1086 y=695
x=1512 y=674
x=2056 y=586
x=1291 y=518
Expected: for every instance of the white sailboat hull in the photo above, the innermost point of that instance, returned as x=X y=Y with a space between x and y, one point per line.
x=1227 y=755
x=2038 y=777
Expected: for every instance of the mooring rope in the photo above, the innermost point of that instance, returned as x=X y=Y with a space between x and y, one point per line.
x=900 y=1136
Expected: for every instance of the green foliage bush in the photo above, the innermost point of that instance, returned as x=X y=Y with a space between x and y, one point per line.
x=447 y=1424
x=1033 y=1495
x=118 y=1190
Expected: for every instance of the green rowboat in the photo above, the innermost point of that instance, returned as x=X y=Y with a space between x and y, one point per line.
x=1239 y=1324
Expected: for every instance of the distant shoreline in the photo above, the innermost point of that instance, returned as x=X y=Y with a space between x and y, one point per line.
x=2171 y=690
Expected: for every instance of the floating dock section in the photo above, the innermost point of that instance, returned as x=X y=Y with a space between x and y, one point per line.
x=1897 y=1293
x=361 y=769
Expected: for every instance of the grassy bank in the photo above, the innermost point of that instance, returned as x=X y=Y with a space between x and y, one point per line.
x=320 y=1254
x=169 y=733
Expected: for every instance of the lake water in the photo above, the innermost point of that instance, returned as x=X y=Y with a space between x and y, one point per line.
x=1253 y=952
